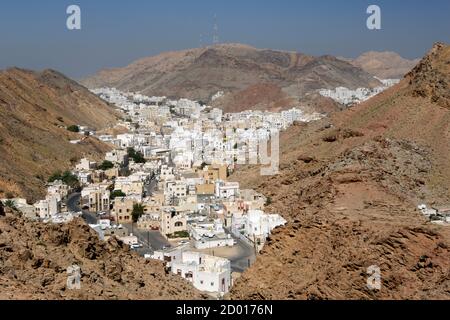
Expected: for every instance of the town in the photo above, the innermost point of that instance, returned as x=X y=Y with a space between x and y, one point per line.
x=164 y=189
x=350 y=97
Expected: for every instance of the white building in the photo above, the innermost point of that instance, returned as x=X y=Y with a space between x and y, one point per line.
x=117 y=156
x=207 y=273
x=86 y=165
x=48 y=207
x=58 y=189
x=227 y=190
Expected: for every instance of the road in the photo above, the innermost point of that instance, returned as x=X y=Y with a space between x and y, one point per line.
x=153 y=240
x=245 y=258
x=149 y=188
x=72 y=203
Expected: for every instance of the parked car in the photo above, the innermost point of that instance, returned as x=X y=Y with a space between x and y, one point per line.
x=183 y=242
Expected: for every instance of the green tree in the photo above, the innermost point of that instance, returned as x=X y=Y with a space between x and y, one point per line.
x=70 y=179
x=117 y=194
x=73 y=128
x=138 y=211
x=106 y=165
x=67 y=177
x=56 y=176
x=136 y=156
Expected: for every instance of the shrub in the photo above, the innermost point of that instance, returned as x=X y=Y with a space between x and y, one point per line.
x=73 y=128
x=117 y=194
x=10 y=204
x=178 y=234
x=67 y=177
x=136 y=156
x=106 y=165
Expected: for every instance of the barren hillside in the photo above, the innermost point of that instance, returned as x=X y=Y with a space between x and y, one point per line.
x=349 y=188
x=35 y=110
x=237 y=70
x=384 y=65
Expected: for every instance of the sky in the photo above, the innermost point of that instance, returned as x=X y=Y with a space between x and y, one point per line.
x=34 y=35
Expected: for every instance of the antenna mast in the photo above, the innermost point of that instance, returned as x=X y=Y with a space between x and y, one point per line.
x=216 y=31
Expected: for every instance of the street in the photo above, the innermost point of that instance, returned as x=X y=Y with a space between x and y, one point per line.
x=149 y=187
x=151 y=239
x=73 y=205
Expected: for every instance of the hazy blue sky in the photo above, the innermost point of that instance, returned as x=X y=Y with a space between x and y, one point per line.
x=33 y=34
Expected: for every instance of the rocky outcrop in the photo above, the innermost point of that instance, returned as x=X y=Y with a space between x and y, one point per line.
x=431 y=77
x=349 y=187
x=35 y=262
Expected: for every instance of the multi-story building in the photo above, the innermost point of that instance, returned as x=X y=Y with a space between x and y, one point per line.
x=173 y=221
x=123 y=209
x=96 y=197
x=86 y=165
x=227 y=190
x=207 y=273
x=46 y=208
x=129 y=185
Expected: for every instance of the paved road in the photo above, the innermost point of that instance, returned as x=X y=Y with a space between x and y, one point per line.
x=245 y=256
x=153 y=240
x=150 y=187
x=72 y=203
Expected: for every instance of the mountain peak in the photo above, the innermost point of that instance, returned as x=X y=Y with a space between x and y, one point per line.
x=431 y=77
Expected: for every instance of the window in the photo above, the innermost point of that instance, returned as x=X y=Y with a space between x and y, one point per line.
x=212 y=284
x=201 y=281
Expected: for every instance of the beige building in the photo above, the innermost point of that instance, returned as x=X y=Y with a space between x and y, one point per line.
x=213 y=172
x=205 y=189
x=149 y=222
x=173 y=221
x=123 y=209
x=129 y=185
x=96 y=197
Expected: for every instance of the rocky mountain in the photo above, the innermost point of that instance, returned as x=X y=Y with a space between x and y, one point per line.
x=384 y=65
x=35 y=110
x=35 y=257
x=350 y=186
x=242 y=72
